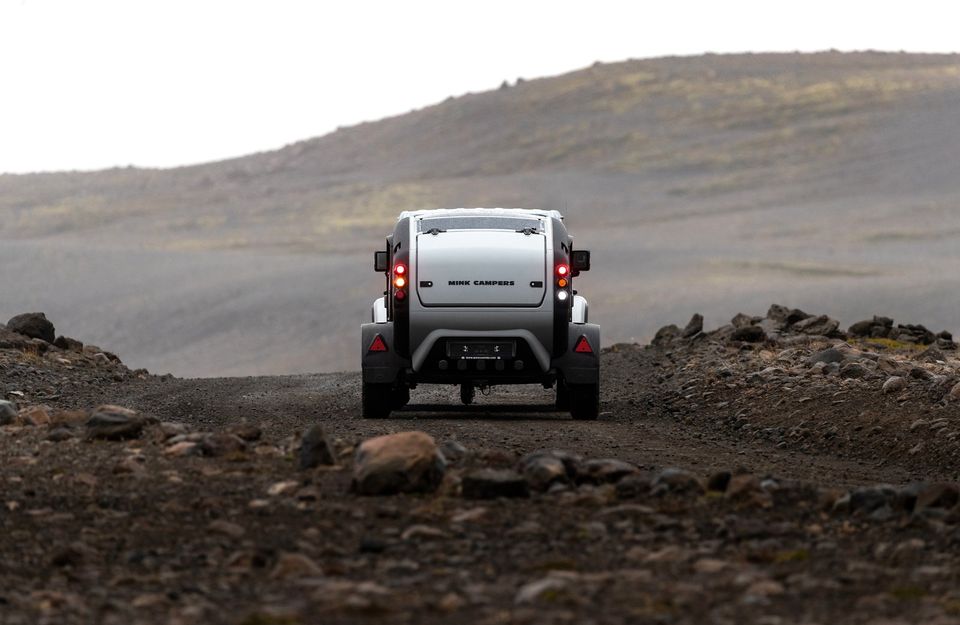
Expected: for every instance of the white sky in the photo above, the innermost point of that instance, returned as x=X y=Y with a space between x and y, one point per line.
x=87 y=84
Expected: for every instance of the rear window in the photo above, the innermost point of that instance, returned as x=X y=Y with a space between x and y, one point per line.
x=480 y=223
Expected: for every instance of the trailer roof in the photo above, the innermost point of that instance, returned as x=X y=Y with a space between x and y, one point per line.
x=486 y=212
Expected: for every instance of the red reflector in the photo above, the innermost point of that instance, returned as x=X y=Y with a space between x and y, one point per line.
x=583 y=346
x=378 y=345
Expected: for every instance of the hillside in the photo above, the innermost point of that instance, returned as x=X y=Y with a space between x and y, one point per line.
x=710 y=184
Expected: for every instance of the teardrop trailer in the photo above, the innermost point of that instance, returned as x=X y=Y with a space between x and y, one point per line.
x=479 y=298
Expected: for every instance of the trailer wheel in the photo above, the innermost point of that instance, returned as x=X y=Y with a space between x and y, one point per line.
x=585 y=401
x=377 y=400
x=401 y=397
x=563 y=396
x=467 y=393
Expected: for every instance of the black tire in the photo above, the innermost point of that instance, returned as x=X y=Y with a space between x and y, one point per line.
x=585 y=401
x=377 y=400
x=563 y=396
x=467 y=393
x=401 y=397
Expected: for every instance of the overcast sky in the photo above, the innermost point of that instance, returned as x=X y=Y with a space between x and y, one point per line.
x=97 y=83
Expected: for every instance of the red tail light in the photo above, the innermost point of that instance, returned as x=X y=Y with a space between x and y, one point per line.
x=400 y=269
x=583 y=346
x=563 y=270
x=378 y=344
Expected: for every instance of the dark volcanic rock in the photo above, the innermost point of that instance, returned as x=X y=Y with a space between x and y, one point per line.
x=114 y=423
x=8 y=412
x=406 y=462
x=828 y=355
x=493 y=483
x=853 y=370
x=543 y=471
x=694 y=326
x=222 y=444
x=741 y=321
x=818 y=326
x=69 y=344
x=314 y=449
x=749 y=334
x=672 y=480
x=666 y=334
x=34 y=325
x=605 y=471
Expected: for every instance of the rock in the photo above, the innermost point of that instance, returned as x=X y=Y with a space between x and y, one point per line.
x=114 y=423
x=870 y=499
x=183 y=448
x=34 y=325
x=894 y=384
x=746 y=490
x=314 y=449
x=34 y=415
x=8 y=412
x=169 y=429
x=787 y=316
x=222 y=444
x=853 y=370
x=719 y=481
x=694 y=326
x=954 y=393
x=406 y=462
x=828 y=355
x=227 y=528
x=605 y=471
x=69 y=344
x=665 y=335
x=749 y=334
x=861 y=328
x=919 y=373
x=817 y=326
x=940 y=495
x=60 y=434
x=453 y=451
x=741 y=320
x=12 y=340
x=246 y=431
x=493 y=483
x=633 y=486
x=672 y=480
x=543 y=588
x=295 y=565
x=542 y=471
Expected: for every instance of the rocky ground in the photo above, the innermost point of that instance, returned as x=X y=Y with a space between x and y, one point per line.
x=775 y=470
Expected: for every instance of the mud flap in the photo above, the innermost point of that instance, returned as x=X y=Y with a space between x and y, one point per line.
x=580 y=367
x=379 y=367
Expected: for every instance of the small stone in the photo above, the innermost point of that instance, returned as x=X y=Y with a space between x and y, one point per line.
x=894 y=384
x=295 y=565
x=954 y=393
x=493 y=483
x=940 y=495
x=34 y=415
x=68 y=344
x=246 y=431
x=282 y=488
x=765 y=588
x=222 y=444
x=183 y=448
x=831 y=354
x=534 y=591
x=314 y=449
x=406 y=462
x=665 y=335
x=8 y=412
x=422 y=531
x=672 y=480
x=605 y=471
x=543 y=471
x=453 y=451
x=60 y=434
x=719 y=481
x=741 y=321
x=816 y=326
x=227 y=528
x=114 y=423
x=853 y=371
x=169 y=429
x=710 y=566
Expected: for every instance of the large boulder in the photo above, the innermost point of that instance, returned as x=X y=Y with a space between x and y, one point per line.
x=407 y=462
x=35 y=325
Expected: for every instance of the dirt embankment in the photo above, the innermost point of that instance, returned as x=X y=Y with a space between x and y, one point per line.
x=731 y=478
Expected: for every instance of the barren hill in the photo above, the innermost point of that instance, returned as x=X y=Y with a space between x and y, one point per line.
x=712 y=183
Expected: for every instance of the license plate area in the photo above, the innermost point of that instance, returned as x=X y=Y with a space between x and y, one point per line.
x=481 y=350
